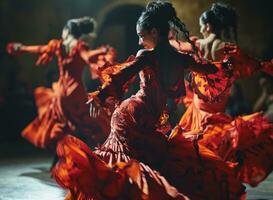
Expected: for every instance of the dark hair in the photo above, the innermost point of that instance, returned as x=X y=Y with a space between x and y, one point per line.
x=161 y=15
x=223 y=19
x=80 y=26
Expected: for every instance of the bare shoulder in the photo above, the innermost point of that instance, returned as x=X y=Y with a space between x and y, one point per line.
x=218 y=45
x=218 y=49
x=201 y=42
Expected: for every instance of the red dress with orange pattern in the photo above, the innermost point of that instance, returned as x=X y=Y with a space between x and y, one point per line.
x=136 y=161
x=245 y=140
x=62 y=109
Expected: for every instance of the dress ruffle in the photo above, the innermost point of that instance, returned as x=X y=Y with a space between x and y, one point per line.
x=88 y=177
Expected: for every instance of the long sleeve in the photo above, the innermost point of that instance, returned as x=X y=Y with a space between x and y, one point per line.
x=46 y=52
x=113 y=87
x=185 y=46
x=245 y=65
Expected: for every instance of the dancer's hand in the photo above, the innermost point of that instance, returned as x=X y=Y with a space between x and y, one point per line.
x=14 y=48
x=104 y=48
x=95 y=106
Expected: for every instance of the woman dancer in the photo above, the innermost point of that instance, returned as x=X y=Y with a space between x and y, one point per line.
x=62 y=110
x=245 y=140
x=112 y=172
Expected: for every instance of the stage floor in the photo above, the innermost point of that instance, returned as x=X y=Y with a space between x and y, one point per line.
x=27 y=177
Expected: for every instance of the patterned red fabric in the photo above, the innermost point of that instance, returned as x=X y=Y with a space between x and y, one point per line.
x=134 y=136
x=89 y=177
x=244 y=140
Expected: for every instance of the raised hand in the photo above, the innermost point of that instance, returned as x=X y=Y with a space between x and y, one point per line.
x=14 y=48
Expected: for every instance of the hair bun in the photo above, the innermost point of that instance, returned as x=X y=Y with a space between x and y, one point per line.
x=86 y=25
x=161 y=9
x=225 y=14
x=80 y=26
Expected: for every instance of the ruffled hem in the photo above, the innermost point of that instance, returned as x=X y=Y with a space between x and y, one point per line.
x=50 y=125
x=246 y=140
x=88 y=177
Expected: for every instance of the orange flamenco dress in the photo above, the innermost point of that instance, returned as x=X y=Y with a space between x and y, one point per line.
x=138 y=162
x=245 y=140
x=62 y=109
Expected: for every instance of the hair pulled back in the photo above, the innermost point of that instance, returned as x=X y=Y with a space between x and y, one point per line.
x=162 y=16
x=80 y=26
x=223 y=20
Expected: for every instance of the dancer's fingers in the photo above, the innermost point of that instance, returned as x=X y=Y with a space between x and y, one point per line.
x=94 y=112
x=91 y=112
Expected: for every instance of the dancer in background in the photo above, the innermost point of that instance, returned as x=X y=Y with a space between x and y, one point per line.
x=62 y=109
x=245 y=140
x=136 y=161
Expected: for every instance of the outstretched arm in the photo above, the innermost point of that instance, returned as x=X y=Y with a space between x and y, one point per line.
x=33 y=49
x=19 y=48
x=46 y=51
x=114 y=86
x=245 y=65
x=184 y=46
x=181 y=46
x=90 y=56
x=114 y=82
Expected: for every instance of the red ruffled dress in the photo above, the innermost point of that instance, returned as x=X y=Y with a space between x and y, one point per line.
x=245 y=140
x=62 y=109
x=136 y=161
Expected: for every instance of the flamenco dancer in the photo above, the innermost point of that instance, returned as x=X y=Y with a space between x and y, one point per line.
x=245 y=140
x=62 y=109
